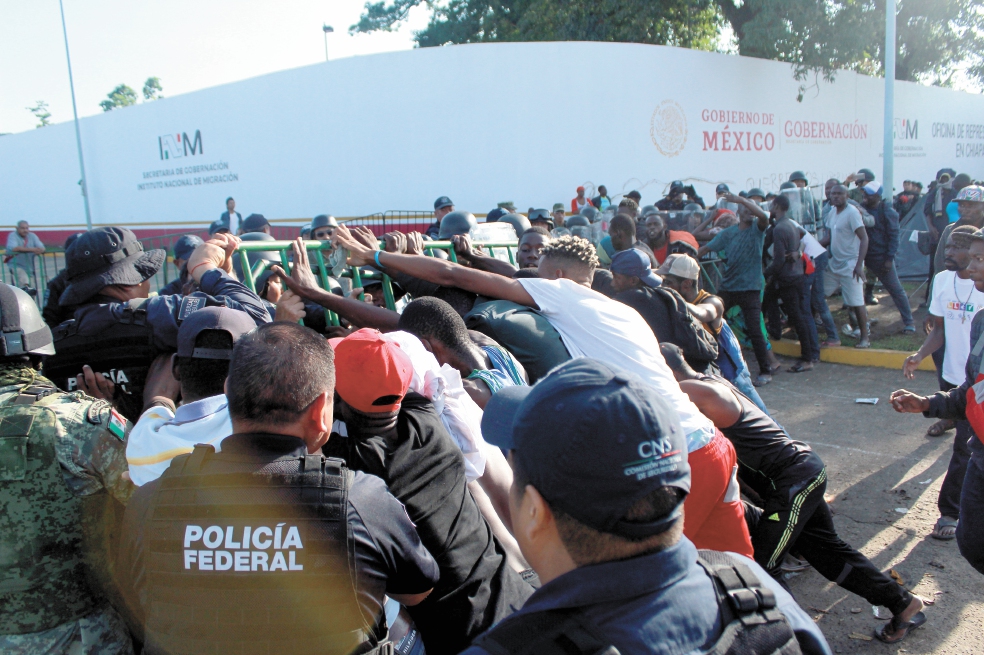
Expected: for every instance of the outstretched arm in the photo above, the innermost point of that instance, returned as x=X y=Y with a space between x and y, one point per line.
x=434 y=270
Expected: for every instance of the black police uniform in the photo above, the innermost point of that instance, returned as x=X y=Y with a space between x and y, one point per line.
x=265 y=548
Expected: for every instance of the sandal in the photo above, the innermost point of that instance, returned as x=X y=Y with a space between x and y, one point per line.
x=863 y=344
x=940 y=427
x=944 y=523
x=830 y=344
x=762 y=380
x=887 y=633
x=800 y=367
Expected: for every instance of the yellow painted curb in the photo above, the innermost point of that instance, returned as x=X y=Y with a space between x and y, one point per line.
x=854 y=356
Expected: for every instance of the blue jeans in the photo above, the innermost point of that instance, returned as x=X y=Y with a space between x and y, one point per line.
x=884 y=270
x=806 y=311
x=970 y=530
x=818 y=301
x=743 y=382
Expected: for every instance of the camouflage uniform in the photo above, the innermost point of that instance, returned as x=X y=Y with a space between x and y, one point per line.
x=62 y=458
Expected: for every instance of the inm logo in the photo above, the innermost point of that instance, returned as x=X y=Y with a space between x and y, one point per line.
x=906 y=129
x=172 y=146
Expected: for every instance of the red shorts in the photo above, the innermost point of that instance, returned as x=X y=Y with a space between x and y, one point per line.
x=714 y=517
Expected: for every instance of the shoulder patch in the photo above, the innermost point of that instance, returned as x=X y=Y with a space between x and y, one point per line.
x=94 y=415
x=117 y=424
x=190 y=305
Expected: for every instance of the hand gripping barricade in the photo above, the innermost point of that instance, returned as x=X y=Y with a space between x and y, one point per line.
x=250 y=555
x=752 y=623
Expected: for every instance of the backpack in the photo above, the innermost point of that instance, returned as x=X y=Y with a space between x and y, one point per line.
x=699 y=346
x=752 y=625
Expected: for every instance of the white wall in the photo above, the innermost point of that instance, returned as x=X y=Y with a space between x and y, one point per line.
x=482 y=123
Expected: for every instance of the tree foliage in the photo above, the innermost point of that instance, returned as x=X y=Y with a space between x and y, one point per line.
x=936 y=38
x=152 y=89
x=40 y=111
x=121 y=96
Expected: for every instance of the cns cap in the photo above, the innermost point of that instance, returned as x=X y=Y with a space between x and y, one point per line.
x=520 y=222
x=103 y=257
x=323 y=220
x=233 y=322
x=442 y=202
x=457 y=222
x=972 y=193
x=24 y=331
x=216 y=227
x=186 y=245
x=593 y=440
x=590 y=213
x=798 y=176
x=255 y=222
x=372 y=373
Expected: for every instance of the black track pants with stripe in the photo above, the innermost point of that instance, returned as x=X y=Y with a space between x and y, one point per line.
x=808 y=523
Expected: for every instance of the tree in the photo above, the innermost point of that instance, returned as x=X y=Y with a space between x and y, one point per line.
x=152 y=89
x=121 y=96
x=40 y=111
x=692 y=24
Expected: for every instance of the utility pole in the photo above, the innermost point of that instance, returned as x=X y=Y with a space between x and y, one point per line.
x=888 y=175
x=327 y=29
x=75 y=113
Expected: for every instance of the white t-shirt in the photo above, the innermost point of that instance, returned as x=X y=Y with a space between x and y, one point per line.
x=957 y=301
x=845 y=246
x=160 y=436
x=593 y=325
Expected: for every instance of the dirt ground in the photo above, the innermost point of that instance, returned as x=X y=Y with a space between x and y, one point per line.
x=878 y=462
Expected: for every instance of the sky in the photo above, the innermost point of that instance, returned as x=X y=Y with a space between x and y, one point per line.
x=188 y=44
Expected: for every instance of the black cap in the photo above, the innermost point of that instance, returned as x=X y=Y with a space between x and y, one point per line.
x=184 y=246
x=722 y=188
x=106 y=256
x=442 y=202
x=232 y=321
x=255 y=223
x=593 y=440
x=217 y=226
x=675 y=186
x=495 y=215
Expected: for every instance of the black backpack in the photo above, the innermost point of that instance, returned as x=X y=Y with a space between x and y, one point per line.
x=700 y=347
x=752 y=623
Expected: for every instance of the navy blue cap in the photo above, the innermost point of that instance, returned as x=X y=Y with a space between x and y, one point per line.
x=722 y=188
x=593 y=440
x=255 y=223
x=217 y=226
x=442 y=202
x=495 y=215
x=676 y=185
x=635 y=263
x=184 y=246
x=232 y=321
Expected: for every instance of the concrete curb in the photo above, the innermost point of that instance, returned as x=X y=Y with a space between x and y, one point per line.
x=854 y=356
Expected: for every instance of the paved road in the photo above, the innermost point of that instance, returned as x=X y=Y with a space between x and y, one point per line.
x=879 y=461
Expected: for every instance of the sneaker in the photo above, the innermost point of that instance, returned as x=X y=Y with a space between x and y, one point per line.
x=791 y=564
x=871 y=301
x=909 y=329
x=854 y=333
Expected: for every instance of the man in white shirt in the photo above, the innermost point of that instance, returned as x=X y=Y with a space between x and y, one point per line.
x=201 y=365
x=22 y=247
x=848 y=243
x=591 y=325
x=955 y=302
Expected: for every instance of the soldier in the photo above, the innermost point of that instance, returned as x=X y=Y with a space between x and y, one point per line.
x=61 y=485
x=117 y=328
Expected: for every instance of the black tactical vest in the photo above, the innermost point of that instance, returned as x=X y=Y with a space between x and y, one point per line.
x=249 y=555
x=119 y=349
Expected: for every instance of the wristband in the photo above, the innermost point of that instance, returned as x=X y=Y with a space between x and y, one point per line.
x=378 y=265
x=192 y=271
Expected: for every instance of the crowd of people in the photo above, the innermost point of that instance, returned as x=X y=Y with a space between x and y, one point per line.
x=561 y=453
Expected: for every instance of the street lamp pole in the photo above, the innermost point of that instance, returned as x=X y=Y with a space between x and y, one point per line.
x=889 y=134
x=75 y=113
x=327 y=29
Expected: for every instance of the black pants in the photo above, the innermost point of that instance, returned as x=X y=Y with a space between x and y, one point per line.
x=807 y=523
x=791 y=295
x=750 y=303
x=949 y=500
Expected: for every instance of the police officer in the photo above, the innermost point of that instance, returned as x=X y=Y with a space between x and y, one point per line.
x=678 y=197
x=268 y=546
x=323 y=226
x=180 y=252
x=600 y=520
x=442 y=207
x=116 y=328
x=61 y=479
x=456 y=222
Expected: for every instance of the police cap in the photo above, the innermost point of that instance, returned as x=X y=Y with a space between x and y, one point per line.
x=722 y=188
x=215 y=227
x=495 y=215
x=103 y=257
x=254 y=223
x=676 y=186
x=24 y=331
x=186 y=245
x=234 y=322
x=442 y=202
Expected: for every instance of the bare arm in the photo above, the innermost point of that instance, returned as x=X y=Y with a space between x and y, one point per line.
x=859 y=267
x=710 y=311
x=715 y=401
x=478 y=259
x=435 y=270
x=932 y=343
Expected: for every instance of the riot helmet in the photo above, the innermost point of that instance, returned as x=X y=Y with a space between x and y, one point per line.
x=269 y=256
x=518 y=222
x=589 y=213
x=457 y=222
x=647 y=211
x=24 y=331
x=787 y=185
x=866 y=175
x=755 y=191
x=798 y=175
x=577 y=220
x=323 y=220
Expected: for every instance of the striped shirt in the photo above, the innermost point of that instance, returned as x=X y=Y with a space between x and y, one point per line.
x=504 y=371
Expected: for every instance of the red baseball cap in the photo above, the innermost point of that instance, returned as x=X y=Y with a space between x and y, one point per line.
x=371 y=374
